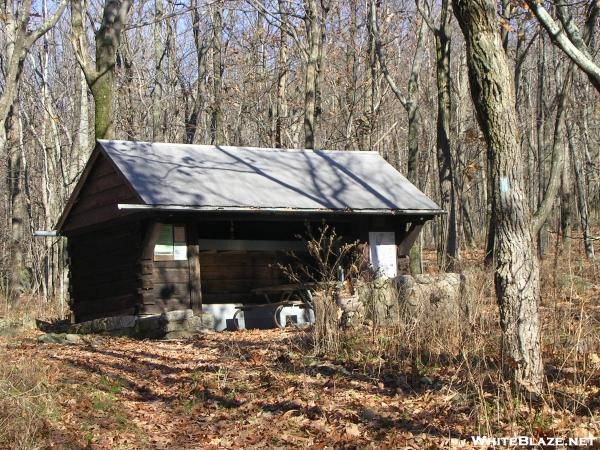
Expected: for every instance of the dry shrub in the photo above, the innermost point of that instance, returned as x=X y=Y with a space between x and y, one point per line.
x=26 y=404
x=468 y=347
x=328 y=254
x=28 y=308
x=326 y=332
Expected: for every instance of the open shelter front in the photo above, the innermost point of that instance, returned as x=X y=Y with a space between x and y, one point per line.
x=162 y=227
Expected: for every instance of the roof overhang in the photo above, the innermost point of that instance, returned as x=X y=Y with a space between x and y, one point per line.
x=248 y=209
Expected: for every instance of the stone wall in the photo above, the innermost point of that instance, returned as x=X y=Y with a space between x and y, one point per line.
x=168 y=325
x=439 y=299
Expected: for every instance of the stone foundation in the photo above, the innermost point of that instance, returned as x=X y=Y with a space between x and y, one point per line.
x=168 y=325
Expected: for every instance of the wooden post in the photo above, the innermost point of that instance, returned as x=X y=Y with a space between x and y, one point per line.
x=193 y=253
x=409 y=238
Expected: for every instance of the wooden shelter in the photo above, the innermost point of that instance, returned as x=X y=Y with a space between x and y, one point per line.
x=161 y=227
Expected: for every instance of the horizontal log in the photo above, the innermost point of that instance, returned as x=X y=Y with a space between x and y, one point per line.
x=232 y=286
x=164 y=291
x=171 y=275
x=104 y=289
x=105 y=305
x=161 y=306
x=98 y=215
x=171 y=264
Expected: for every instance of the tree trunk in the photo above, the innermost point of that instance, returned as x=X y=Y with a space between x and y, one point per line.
x=448 y=239
x=517 y=271
x=582 y=198
x=101 y=76
x=216 y=123
x=159 y=54
x=310 y=80
x=83 y=128
x=541 y=136
x=558 y=156
x=202 y=47
x=18 y=211
x=414 y=133
x=282 y=74
x=566 y=198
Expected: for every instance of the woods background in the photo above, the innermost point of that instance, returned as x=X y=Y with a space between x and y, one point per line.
x=388 y=76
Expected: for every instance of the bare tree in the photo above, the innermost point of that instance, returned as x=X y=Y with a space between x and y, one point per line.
x=100 y=76
x=19 y=40
x=281 y=108
x=202 y=47
x=569 y=38
x=216 y=122
x=442 y=35
x=517 y=271
x=313 y=34
x=410 y=102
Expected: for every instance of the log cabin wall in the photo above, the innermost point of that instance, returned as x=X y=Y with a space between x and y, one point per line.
x=229 y=276
x=114 y=270
x=103 y=271
x=171 y=287
x=97 y=200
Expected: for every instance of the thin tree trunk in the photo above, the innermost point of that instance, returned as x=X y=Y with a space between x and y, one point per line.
x=558 y=155
x=582 y=199
x=541 y=136
x=448 y=234
x=216 y=125
x=202 y=48
x=83 y=127
x=282 y=76
x=517 y=271
x=310 y=80
x=159 y=54
x=566 y=198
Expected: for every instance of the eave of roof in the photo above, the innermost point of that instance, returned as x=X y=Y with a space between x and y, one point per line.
x=250 y=209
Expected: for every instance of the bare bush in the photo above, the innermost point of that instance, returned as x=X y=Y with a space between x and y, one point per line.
x=330 y=258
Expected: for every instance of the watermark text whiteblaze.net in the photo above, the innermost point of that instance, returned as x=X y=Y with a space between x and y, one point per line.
x=528 y=441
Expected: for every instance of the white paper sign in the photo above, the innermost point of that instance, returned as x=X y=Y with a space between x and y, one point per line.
x=382 y=252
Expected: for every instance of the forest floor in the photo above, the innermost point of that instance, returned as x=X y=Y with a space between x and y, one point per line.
x=250 y=389
x=267 y=389
x=246 y=389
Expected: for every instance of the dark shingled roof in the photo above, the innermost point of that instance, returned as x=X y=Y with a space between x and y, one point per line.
x=221 y=177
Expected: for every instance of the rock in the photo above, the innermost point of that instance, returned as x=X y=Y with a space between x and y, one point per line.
x=440 y=297
x=380 y=300
x=168 y=325
x=148 y=327
x=107 y=325
x=60 y=338
x=58 y=326
x=352 y=310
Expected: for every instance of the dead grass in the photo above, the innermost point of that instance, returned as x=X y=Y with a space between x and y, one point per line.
x=28 y=308
x=27 y=404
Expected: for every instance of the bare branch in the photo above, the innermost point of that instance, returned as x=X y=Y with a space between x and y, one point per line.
x=561 y=39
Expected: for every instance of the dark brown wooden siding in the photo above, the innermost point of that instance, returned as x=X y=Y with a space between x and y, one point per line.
x=229 y=277
x=97 y=202
x=170 y=287
x=103 y=272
